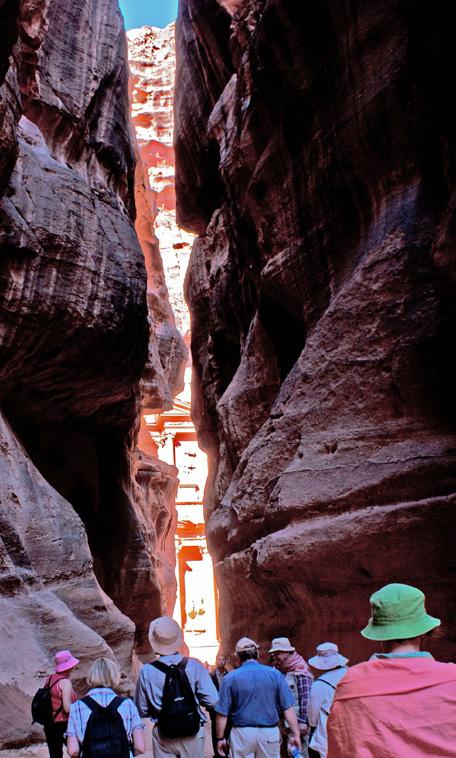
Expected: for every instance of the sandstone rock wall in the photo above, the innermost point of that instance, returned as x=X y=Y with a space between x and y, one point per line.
x=85 y=520
x=151 y=54
x=315 y=159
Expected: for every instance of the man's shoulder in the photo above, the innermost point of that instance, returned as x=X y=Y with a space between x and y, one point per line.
x=268 y=673
x=196 y=664
x=232 y=675
x=148 y=671
x=333 y=676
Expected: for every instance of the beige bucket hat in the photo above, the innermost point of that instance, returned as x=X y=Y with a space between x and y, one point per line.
x=281 y=645
x=165 y=635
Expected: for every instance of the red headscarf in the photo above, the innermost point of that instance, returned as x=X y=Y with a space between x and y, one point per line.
x=294 y=664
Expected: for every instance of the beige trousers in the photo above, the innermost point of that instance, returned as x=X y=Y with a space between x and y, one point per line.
x=185 y=747
x=254 y=742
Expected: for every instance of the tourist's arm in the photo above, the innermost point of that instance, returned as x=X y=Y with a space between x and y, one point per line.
x=317 y=693
x=223 y=708
x=292 y=721
x=206 y=691
x=286 y=702
x=137 y=729
x=141 y=699
x=220 y=726
x=139 y=743
x=303 y=684
x=72 y=747
x=66 y=690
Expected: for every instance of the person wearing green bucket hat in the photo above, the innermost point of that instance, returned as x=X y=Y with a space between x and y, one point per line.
x=398 y=613
x=401 y=702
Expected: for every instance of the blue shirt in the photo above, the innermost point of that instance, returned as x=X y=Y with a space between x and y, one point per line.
x=417 y=654
x=80 y=713
x=254 y=695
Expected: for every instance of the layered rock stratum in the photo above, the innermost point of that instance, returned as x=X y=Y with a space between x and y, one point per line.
x=315 y=160
x=86 y=520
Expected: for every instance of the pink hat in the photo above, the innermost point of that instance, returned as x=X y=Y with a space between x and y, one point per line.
x=64 y=661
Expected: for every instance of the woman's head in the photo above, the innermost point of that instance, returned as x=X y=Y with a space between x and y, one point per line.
x=65 y=662
x=103 y=673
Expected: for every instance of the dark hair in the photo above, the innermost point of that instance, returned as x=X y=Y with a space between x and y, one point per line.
x=435 y=633
x=248 y=655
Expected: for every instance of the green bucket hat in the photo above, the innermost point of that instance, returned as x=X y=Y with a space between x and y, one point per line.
x=398 y=613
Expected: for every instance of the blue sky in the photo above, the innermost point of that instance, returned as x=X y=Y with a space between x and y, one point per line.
x=151 y=12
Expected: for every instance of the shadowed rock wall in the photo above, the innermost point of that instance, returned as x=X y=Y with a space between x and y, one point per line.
x=315 y=159
x=83 y=517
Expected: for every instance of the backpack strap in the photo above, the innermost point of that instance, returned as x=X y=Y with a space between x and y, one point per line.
x=325 y=682
x=49 y=686
x=115 y=704
x=164 y=667
x=160 y=666
x=112 y=707
x=92 y=704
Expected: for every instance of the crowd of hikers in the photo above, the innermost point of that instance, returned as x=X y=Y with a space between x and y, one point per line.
x=401 y=703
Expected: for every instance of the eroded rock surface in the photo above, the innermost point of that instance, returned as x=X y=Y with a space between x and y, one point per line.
x=315 y=160
x=86 y=521
x=151 y=54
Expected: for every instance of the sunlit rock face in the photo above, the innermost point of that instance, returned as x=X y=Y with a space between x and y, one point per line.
x=151 y=53
x=83 y=515
x=166 y=251
x=313 y=148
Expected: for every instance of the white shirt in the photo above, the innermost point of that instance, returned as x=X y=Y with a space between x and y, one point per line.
x=319 y=706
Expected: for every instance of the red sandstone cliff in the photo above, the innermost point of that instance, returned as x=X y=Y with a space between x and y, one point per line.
x=83 y=518
x=315 y=159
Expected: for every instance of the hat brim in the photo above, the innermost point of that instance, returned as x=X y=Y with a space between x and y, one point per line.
x=400 y=631
x=325 y=663
x=67 y=665
x=282 y=650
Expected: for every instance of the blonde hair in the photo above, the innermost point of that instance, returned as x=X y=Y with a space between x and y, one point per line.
x=103 y=673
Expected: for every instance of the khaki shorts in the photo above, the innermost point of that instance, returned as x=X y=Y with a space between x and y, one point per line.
x=255 y=742
x=185 y=747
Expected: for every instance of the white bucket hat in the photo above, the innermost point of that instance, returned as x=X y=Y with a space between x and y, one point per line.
x=281 y=645
x=328 y=657
x=165 y=635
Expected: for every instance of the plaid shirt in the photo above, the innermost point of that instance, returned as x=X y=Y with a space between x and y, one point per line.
x=80 y=713
x=303 y=684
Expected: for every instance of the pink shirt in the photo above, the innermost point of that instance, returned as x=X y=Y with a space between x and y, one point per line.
x=395 y=708
x=56 y=696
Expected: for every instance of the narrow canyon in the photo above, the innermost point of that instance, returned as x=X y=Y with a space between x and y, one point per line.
x=88 y=339
x=315 y=162
x=314 y=187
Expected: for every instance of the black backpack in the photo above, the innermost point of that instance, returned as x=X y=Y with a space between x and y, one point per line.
x=105 y=735
x=179 y=715
x=42 y=705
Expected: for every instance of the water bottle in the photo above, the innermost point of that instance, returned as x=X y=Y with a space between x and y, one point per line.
x=295 y=752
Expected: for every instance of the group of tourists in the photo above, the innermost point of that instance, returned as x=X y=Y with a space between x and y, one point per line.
x=400 y=703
